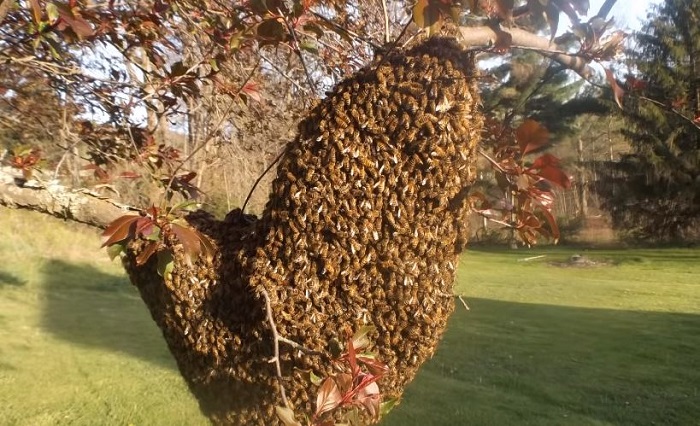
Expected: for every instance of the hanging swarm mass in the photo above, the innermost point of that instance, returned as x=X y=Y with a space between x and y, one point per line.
x=363 y=227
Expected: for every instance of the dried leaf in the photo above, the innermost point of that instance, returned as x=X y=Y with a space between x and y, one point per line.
x=426 y=14
x=360 y=339
x=618 y=92
x=286 y=416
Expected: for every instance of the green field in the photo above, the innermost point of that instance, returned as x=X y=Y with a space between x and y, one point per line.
x=540 y=345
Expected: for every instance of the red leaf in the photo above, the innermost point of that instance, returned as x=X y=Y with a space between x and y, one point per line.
x=328 y=397
x=548 y=168
x=634 y=83
x=129 y=175
x=252 y=90
x=618 y=92
x=144 y=226
x=556 y=176
x=374 y=366
x=352 y=360
x=189 y=239
x=120 y=229
x=545 y=160
x=146 y=253
x=552 y=224
x=531 y=135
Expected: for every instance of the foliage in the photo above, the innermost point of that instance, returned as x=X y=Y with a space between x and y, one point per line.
x=353 y=386
x=156 y=228
x=653 y=193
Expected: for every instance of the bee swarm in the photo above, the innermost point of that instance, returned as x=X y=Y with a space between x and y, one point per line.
x=363 y=227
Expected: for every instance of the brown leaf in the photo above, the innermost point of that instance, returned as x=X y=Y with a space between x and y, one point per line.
x=426 y=14
x=191 y=243
x=531 y=136
x=146 y=253
x=504 y=8
x=120 y=229
x=328 y=397
x=618 y=92
x=504 y=41
x=36 y=10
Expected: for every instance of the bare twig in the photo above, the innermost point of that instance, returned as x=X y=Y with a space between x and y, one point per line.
x=387 y=32
x=257 y=181
x=208 y=138
x=276 y=344
x=492 y=161
x=297 y=346
x=297 y=50
x=464 y=303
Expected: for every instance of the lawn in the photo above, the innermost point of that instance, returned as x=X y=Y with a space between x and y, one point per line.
x=540 y=345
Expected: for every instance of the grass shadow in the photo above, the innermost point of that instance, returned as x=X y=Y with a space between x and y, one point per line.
x=528 y=364
x=9 y=279
x=88 y=307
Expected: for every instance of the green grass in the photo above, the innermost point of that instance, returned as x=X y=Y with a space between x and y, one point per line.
x=78 y=346
x=541 y=345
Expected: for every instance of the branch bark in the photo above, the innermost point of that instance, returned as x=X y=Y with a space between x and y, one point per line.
x=484 y=36
x=78 y=205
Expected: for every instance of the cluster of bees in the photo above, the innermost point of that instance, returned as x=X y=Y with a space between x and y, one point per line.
x=363 y=227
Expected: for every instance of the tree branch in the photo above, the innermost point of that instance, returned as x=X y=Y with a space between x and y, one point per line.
x=485 y=36
x=77 y=205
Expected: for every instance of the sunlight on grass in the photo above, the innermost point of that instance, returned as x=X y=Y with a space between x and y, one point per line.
x=540 y=345
x=79 y=346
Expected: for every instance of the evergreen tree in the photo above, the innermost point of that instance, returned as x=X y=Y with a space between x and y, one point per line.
x=654 y=191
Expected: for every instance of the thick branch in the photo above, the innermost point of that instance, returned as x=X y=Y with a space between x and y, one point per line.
x=76 y=205
x=486 y=36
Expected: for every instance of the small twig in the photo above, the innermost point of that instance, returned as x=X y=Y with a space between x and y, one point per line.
x=387 y=32
x=492 y=161
x=464 y=303
x=527 y=259
x=297 y=346
x=276 y=343
x=297 y=50
x=340 y=28
x=257 y=181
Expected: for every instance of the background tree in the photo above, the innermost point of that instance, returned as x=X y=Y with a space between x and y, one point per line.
x=653 y=192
